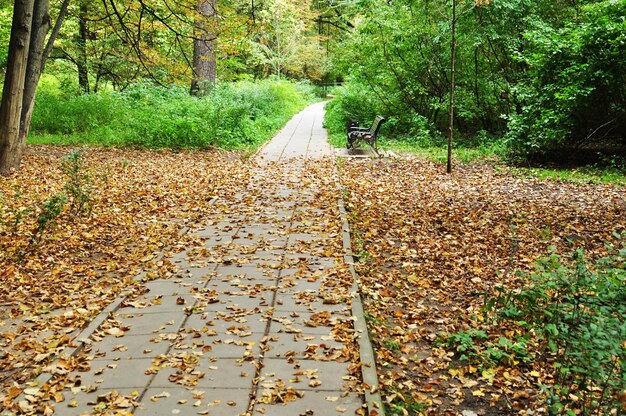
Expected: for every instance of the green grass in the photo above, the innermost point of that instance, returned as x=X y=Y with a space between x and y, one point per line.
x=492 y=152
x=239 y=115
x=438 y=154
x=584 y=175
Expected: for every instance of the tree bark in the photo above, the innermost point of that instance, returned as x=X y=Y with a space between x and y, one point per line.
x=452 y=85
x=81 y=43
x=204 y=58
x=55 y=32
x=40 y=28
x=11 y=147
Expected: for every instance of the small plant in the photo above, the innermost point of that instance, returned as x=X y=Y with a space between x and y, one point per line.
x=577 y=309
x=474 y=346
x=393 y=345
x=466 y=343
x=402 y=403
x=77 y=185
x=359 y=251
x=49 y=211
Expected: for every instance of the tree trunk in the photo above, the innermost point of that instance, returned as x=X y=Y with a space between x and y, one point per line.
x=11 y=147
x=40 y=27
x=452 y=62
x=204 y=58
x=81 y=43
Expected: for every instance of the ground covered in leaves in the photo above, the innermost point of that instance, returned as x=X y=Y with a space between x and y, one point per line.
x=75 y=233
x=432 y=247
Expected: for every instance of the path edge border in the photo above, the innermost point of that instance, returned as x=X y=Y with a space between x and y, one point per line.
x=369 y=371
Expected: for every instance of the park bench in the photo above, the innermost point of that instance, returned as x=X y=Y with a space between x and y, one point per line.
x=358 y=134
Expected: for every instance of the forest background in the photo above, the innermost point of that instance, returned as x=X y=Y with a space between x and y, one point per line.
x=534 y=80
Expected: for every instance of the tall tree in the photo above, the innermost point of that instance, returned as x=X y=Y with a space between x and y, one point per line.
x=204 y=57
x=13 y=92
x=452 y=85
x=27 y=56
x=81 y=43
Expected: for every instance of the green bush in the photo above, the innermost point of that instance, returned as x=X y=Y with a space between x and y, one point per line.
x=574 y=93
x=576 y=308
x=352 y=102
x=232 y=115
x=474 y=346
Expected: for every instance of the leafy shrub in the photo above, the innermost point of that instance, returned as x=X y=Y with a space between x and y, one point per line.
x=577 y=309
x=49 y=212
x=575 y=91
x=77 y=184
x=352 y=102
x=474 y=346
x=232 y=115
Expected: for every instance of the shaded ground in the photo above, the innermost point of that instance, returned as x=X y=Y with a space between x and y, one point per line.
x=432 y=246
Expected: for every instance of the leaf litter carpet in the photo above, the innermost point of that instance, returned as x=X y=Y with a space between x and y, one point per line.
x=433 y=246
x=201 y=223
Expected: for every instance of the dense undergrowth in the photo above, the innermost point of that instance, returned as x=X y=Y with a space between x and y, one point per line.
x=535 y=80
x=232 y=116
x=569 y=317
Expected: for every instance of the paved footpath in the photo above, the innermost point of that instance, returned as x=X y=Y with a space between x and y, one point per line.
x=257 y=320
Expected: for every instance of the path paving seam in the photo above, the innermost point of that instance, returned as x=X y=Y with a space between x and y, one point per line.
x=261 y=357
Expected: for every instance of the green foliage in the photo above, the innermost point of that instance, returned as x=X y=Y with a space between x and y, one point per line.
x=232 y=115
x=474 y=346
x=547 y=74
x=5 y=34
x=399 y=59
x=575 y=92
x=577 y=309
x=77 y=184
x=49 y=211
x=583 y=175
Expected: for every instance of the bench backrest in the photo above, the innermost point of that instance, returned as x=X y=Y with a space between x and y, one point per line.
x=378 y=121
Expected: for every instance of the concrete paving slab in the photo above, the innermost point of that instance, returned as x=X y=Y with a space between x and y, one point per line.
x=116 y=374
x=102 y=401
x=172 y=401
x=127 y=347
x=209 y=373
x=228 y=325
x=302 y=345
x=168 y=287
x=306 y=374
x=163 y=303
x=234 y=348
x=313 y=403
x=302 y=302
x=140 y=323
x=250 y=275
